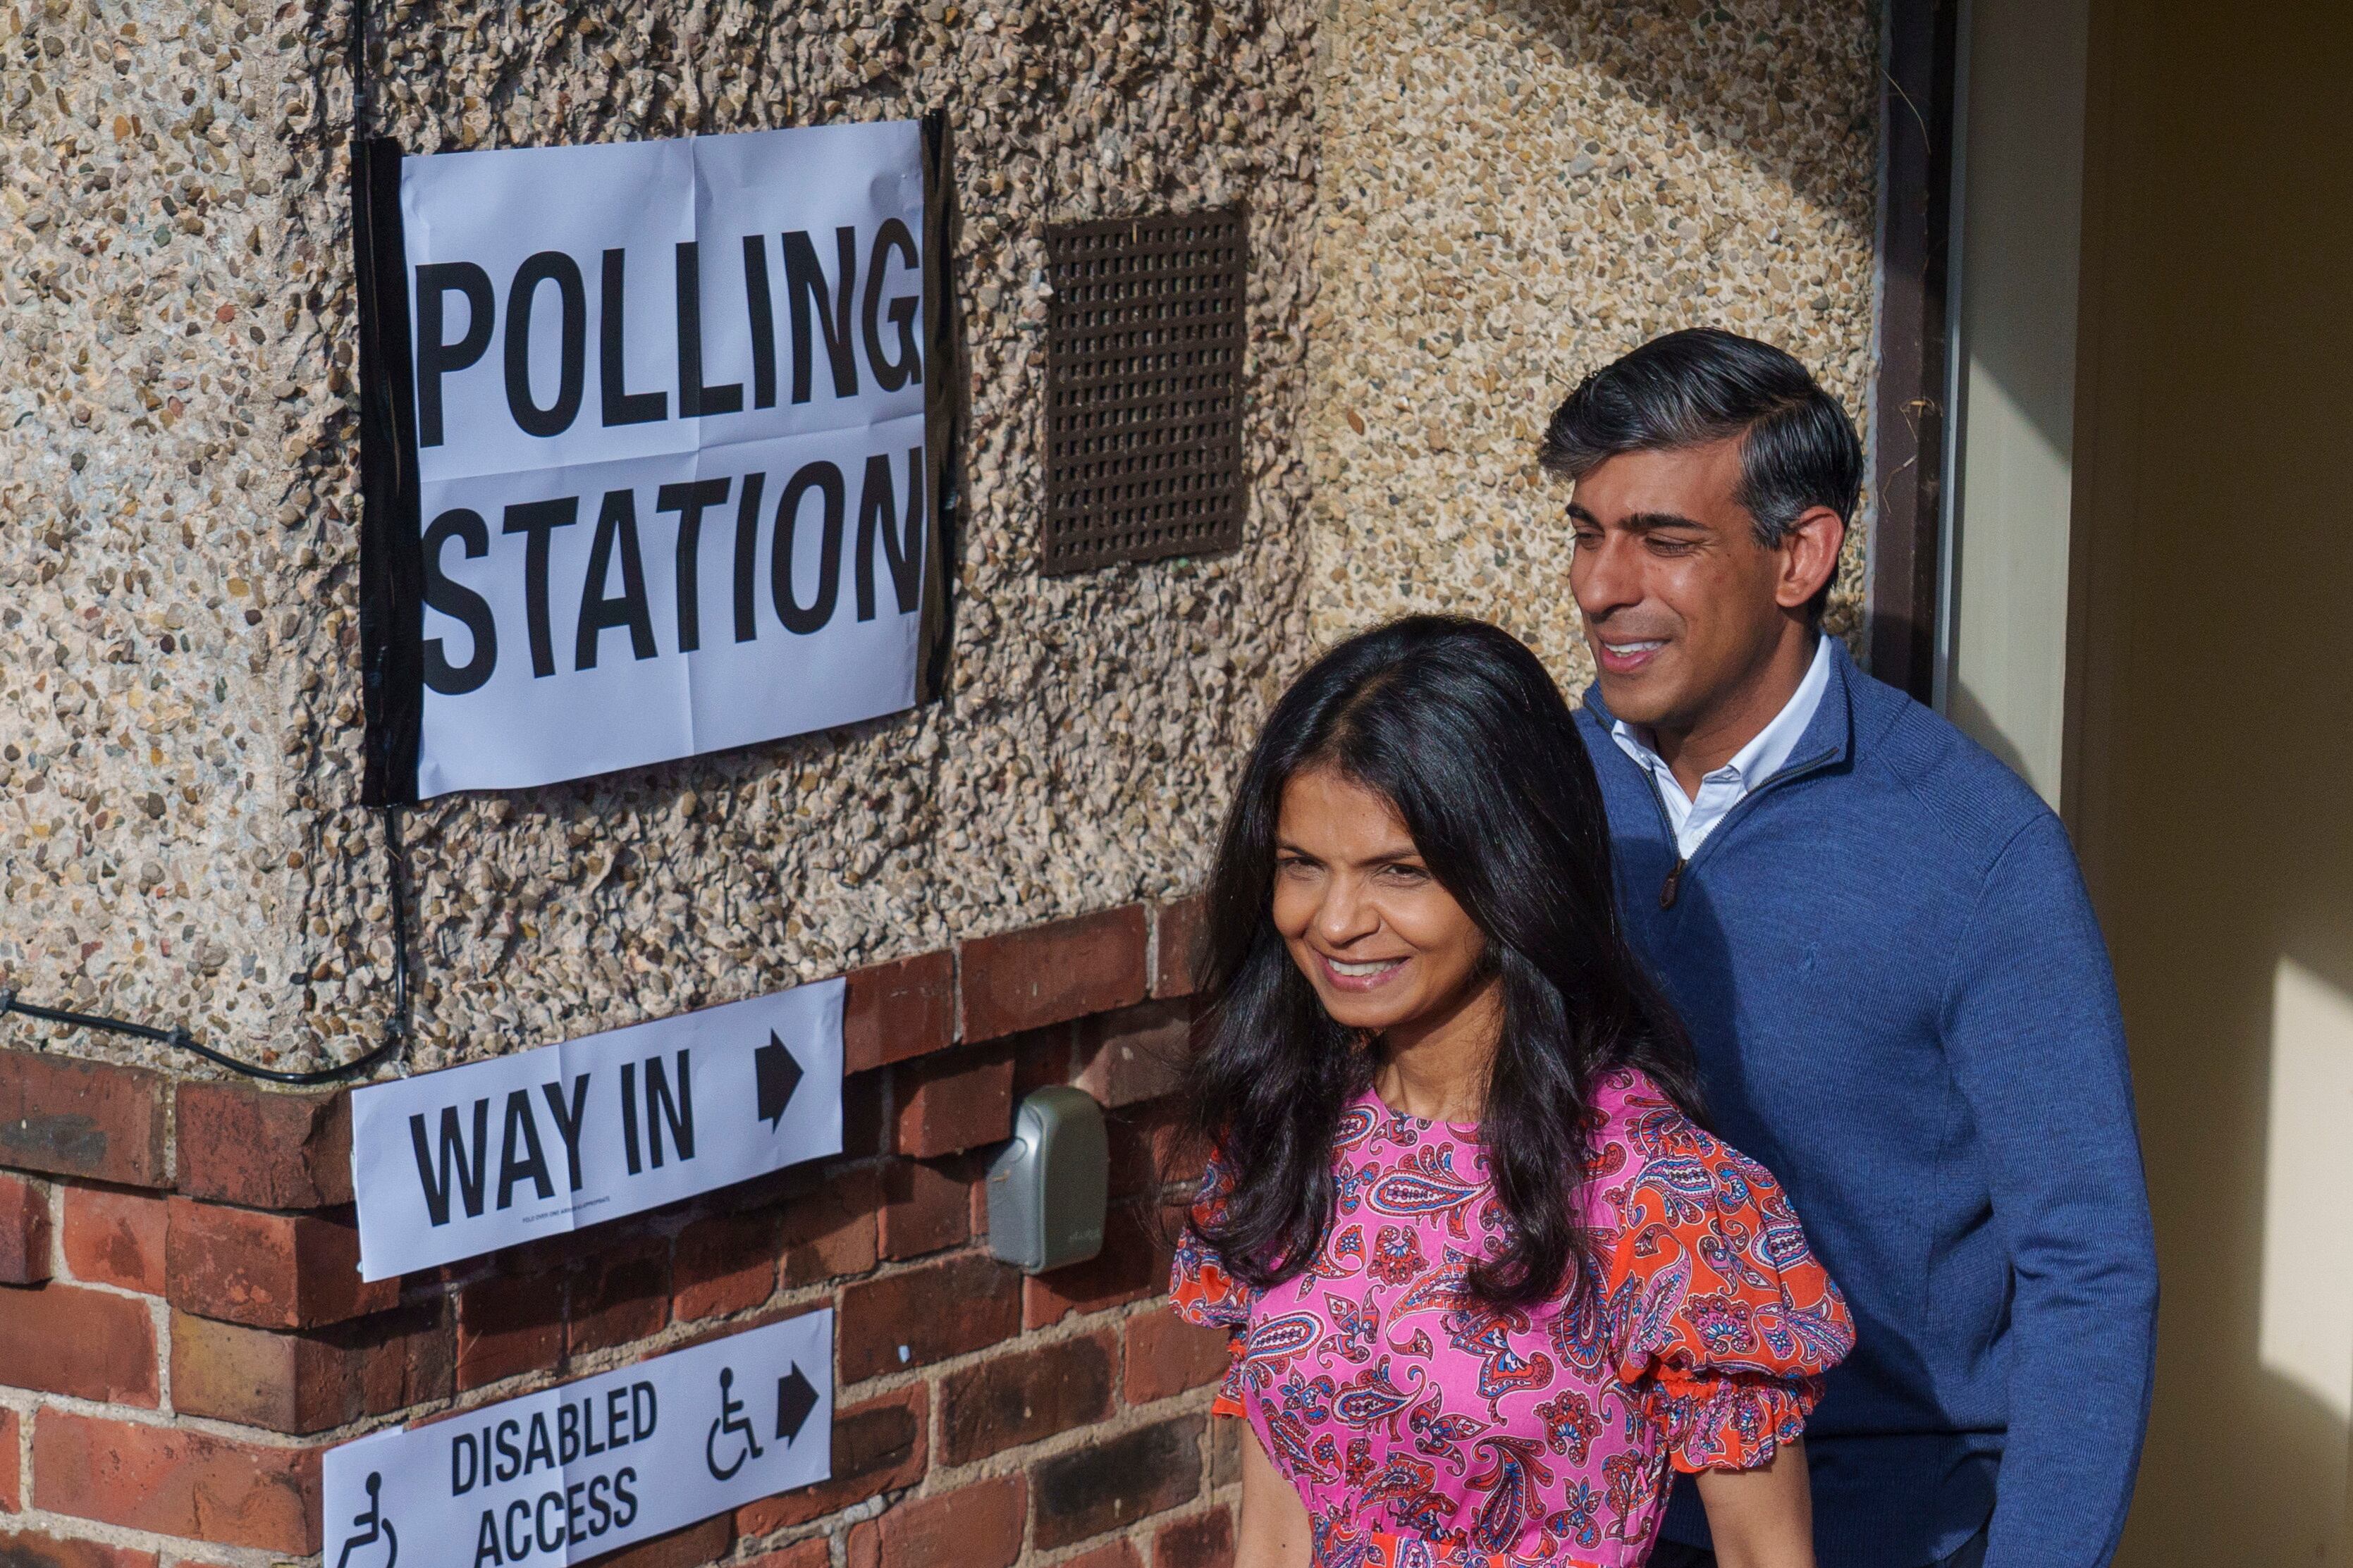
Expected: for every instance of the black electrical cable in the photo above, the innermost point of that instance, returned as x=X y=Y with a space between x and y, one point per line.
x=395 y=1025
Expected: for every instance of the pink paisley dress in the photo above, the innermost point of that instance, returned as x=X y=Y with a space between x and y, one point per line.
x=1424 y=1432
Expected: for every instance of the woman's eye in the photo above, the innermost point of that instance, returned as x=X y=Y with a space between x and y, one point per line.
x=1409 y=874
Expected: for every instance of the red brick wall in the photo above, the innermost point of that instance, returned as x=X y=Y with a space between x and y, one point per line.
x=183 y=1330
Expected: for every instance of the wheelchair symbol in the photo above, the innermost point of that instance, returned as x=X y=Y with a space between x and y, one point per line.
x=730 y=1419
x=372 y=1527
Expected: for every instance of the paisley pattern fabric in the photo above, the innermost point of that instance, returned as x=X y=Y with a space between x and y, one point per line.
x=1423 y=1431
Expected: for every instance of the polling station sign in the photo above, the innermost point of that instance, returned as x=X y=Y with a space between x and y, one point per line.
x=571 y=1472
x=653 y=449
x=452 y=1164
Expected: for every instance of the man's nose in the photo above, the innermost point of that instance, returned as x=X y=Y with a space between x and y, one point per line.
x=1606 y=577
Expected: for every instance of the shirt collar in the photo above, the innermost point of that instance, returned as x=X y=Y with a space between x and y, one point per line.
x=1768 y=751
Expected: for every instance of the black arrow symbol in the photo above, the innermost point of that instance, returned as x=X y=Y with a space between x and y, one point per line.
x=795 y=1398
x=779 y=1074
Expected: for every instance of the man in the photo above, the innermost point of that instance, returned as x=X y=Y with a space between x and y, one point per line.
x=1879 y=940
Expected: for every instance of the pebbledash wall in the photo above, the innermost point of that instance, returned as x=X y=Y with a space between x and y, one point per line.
x=1456 y=205
x=1514 y=193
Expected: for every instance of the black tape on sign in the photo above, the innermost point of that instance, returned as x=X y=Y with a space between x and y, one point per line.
x=944 y=394
x=391 y=562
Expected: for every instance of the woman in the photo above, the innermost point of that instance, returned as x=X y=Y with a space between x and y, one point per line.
x=1487 y=1279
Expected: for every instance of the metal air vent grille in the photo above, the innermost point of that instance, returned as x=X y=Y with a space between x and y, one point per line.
x=1143 y=378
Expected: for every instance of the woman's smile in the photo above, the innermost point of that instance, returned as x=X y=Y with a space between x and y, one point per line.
x=1360 y=975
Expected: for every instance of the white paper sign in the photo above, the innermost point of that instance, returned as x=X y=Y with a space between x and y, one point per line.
x=452 y=1164
x=671 y=463
x=563 y=1475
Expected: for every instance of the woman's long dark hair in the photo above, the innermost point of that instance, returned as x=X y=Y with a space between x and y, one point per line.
x=1457 y=723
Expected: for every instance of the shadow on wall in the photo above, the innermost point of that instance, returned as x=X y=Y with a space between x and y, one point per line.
x=1677 y=63
x=2217 y=555
x=1963 y=706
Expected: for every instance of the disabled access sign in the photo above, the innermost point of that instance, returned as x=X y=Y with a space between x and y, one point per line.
x=574 y=1471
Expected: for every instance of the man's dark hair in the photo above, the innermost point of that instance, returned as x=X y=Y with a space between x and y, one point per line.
x=1692 y=387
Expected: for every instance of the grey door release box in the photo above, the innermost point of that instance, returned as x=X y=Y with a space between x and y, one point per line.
x=1047 y=1190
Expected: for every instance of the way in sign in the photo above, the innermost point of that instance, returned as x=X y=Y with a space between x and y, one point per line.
x=451 y=1164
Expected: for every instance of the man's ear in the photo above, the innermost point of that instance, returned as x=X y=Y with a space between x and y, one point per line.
x=1810 y=555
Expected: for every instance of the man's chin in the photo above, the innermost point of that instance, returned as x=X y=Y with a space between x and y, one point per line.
x=1638 y=696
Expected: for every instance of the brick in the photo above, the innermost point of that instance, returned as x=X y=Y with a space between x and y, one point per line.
x=925 y=1314
x=973 y=1527
x=1051 y=973
x=114 y=1235
x=954 y=1101
x=617 y=1294
x=1118 y=1554
x=1110 y=1484
x=878 y=1447
x=1204 y=1541
x=723 y=1263
x=265 y=1149
x=1041 y=1057
x=688 y=1548
x=88 y=1343
x=832 y=1232
x=815 y=1552
x=894 y=1011
x=267 y=1270
x=508 y=1325
x=1133 y=1264
x=304 y=1383
x=30 y=1549
x=865 y=1123
x=1024 y=1396
x=24 y=1231
x=68 y=1117
x=176 y=1482
x=11 y=1489
x=1177 y=931
x=1144 y=1151
x=926 y=1207
x=1226 y=1450
x=1135 y=1054
x=1166 y=1355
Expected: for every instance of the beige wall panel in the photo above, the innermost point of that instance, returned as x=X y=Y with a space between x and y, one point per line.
x=2005 y=679
x=1514 y=193
x=2214 y=737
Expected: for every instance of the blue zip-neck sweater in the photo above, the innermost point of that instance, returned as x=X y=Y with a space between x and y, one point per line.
x=1902 y=1007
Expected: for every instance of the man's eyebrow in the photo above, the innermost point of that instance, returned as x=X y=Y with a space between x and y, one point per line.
x=1640 y=522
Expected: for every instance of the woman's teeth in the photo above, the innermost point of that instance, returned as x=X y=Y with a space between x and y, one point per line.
x=1358 y=970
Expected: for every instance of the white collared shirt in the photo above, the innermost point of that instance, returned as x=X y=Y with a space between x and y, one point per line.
x=1765 y=755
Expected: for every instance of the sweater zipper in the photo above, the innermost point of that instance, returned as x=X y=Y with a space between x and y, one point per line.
x=1674 y=878
x=1671 y=889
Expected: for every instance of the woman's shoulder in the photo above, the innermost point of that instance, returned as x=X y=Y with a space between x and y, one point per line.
x=1640 y=1138
x=1652 y=1162
x=1631 y=1111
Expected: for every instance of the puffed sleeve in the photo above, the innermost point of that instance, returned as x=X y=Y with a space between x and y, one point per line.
x=1719 y=1301
x=1204 y=1294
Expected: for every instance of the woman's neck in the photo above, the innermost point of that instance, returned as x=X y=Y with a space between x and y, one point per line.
x=1436 y=1068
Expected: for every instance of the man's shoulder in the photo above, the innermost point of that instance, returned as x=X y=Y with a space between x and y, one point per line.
x=1971 y=797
